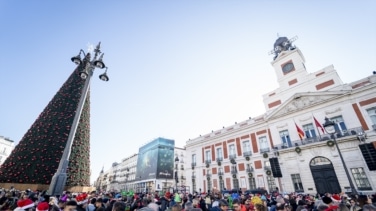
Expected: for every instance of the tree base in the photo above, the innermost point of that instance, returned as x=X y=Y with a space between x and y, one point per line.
x=42 y=187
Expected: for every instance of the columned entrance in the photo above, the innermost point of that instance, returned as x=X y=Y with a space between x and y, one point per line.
x=324 y=175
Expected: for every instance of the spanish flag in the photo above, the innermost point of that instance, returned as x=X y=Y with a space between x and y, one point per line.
x=300 y=132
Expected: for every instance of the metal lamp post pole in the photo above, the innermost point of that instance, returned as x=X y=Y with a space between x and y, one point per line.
x=176 y=173
x=329 y=127
x=60 y=177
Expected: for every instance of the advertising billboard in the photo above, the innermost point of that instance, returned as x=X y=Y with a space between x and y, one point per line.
x=156 y=160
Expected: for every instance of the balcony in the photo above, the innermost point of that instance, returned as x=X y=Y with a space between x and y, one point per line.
x=219 y=159
x=247 y=153
x=234 y=171
x=207 y=162
x=232 y=156
x=193 y=164
x=266 y=149
x=267 y=168
x=353 y=132
x=220 y=173
x=249 y=170
x=208 y=175
x=193 y=176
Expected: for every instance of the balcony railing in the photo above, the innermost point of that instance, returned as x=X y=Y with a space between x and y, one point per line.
x=247 y=153
x=220 y=173
x=219 y=159
x=249 y=170
x=193 y=164
x=267 y=168
x=193 y=176
x=234 y=171
x=207 y=161
x=266 y=149
x=208 y=175
x=233 y=156
x=353 y=132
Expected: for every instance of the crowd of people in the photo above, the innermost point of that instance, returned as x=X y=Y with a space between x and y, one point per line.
x=158 y=201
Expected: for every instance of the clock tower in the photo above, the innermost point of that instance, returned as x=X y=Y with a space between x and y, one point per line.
x=288 y=63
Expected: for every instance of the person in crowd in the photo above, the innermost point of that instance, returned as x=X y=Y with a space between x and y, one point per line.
x=99 y=203
x=202 y=204
x=343 y=207
x=223 y=205
x=176 y=207
x=188 y=206
x=118 y=206
x=369 y=207
x=91 y=205
x=70 y=205
x=260 y=207
x=165 y=201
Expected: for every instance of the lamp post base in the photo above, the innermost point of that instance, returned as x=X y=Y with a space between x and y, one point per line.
x=57 y=184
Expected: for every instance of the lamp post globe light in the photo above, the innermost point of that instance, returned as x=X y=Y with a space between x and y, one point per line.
x=176 y=173
x=87 y=67
x=330 y=129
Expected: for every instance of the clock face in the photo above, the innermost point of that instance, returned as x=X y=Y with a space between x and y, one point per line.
x=288 y=67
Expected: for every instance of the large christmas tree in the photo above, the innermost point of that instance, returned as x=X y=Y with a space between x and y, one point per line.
x=36 y=158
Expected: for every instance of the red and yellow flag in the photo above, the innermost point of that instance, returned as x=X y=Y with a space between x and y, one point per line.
x=300 y=132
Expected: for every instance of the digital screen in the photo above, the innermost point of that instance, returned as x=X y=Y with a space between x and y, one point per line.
x=156 y=160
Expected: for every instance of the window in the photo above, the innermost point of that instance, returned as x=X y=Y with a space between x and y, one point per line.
x=232 y=150
x=207 y=156
x=267 y=165
x=193 y=159
x=309 y=131
x=285 y=138
x=252 y=183
x=235 y=181
x=297 y=182
x=234 y=169
x=246 y=146
x=221 y=184
x=220 y=170
x=372 y=114
x=271 y=182
x=208 y=171
x=264 y=147
x=361 y=179
x=219 y=154
x=339 y=123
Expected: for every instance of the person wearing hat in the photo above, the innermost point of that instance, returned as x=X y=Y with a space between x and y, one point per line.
x=24 y=204
x=43 y=206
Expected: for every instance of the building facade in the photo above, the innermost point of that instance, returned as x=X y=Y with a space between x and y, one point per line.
x=121 y=176
x=159 y=166
x=287 y=148
x=6 y=147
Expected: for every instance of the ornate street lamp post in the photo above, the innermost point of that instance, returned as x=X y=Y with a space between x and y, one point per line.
x=88 y=66
x=330 y=129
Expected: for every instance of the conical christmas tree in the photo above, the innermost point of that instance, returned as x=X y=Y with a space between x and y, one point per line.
x=36 y=158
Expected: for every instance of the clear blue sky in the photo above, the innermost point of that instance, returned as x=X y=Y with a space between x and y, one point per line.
x=177 y=69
